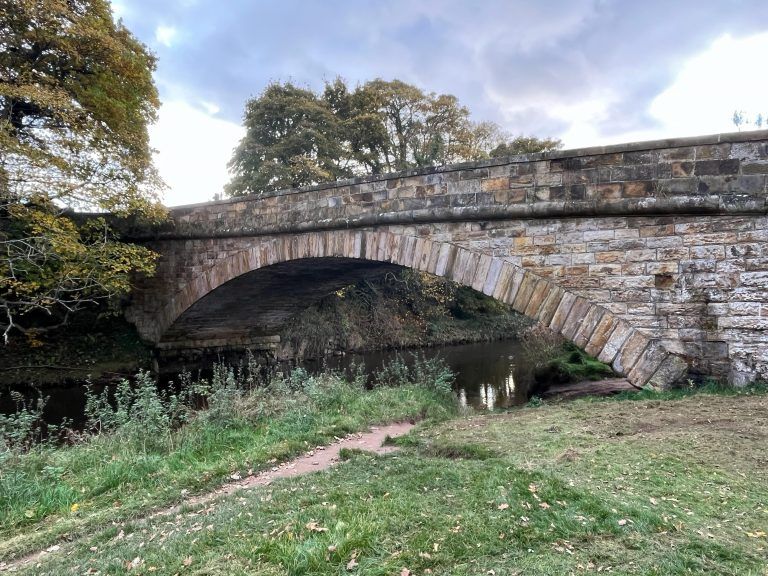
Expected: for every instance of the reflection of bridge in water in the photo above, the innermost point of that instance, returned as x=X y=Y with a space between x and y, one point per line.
x=651 y=256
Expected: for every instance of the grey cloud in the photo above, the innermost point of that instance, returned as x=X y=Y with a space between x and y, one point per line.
x=532 y=53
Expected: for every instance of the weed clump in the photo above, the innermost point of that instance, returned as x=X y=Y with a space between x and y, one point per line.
x=432 y=373
x=552 y=360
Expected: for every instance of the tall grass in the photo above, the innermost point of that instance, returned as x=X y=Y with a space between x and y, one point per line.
x=143 y=446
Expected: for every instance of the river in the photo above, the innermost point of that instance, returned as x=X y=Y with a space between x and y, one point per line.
x=486 y=377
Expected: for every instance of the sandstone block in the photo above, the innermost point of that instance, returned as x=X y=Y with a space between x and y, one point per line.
x=621 y=332
x=540 y=292
x=672 y=369
x=676 y=253
x=549 y=305
x=630 y=352
x=605 y=269
x=587 y=326
x=575 y=317
x=641 y=189
x=523 y=295
x=611 y=256
x=562 y=311
x=647 y=364
x=586 y=258
x=641 y=255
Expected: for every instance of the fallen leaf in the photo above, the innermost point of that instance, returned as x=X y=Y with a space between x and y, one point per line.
x=405 y=572
x=75 y=507
x=315 y=527
x=187 y=561
x=622 y=522
x=352 y=564
x=503 y=506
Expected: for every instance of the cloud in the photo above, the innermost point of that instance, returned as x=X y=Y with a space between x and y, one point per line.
x=193 y=151
x=165 y=35
x=726 y=77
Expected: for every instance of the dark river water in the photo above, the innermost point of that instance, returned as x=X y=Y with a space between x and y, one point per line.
x=486 y=377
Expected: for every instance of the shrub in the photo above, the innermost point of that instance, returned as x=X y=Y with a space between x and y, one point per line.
x=23 y=429
x=431 y=373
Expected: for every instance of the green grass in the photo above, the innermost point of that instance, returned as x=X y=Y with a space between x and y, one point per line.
x=116 y=476
x=571 y=364
x=660 y=486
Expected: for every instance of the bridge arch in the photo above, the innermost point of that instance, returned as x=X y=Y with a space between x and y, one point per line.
x=590 y=326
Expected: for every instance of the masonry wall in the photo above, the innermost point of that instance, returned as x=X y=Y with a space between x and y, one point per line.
x=669 y=236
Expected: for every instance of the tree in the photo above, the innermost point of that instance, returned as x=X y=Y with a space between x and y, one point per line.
x=295 y=137
x=292 y=139
x=76 y=96
x=525 y=145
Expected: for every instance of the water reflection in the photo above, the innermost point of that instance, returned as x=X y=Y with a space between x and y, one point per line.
x=487 y=375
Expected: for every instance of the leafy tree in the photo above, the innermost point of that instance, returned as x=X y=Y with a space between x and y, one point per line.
x=525 y=145
x=76 y=96
x=295 y=137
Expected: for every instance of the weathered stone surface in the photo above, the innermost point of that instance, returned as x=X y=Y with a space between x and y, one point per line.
x=588 y=325
x=575 y=318
x=621 y=332
x=667 y=240
x=629 y=353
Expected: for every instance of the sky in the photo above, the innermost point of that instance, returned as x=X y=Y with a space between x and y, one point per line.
x=590 y=72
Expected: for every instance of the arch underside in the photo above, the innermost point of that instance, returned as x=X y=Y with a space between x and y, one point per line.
x=254 y=290
x=257 y=304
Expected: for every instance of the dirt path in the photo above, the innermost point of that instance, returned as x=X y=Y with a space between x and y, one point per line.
x=321 y=458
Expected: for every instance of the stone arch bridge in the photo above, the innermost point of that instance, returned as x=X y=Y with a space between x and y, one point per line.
x=652 y=256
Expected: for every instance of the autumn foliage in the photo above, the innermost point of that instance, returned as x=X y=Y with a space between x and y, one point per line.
x=76 y=96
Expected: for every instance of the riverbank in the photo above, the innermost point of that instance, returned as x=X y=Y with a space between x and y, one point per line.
x=96 y=346
x=149 y=449
x=662 y=483
x=398 y=311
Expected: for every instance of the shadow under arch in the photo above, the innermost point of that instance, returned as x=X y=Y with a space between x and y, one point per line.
x=342 y=255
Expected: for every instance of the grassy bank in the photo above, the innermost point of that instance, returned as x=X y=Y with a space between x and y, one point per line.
x=654 y=486
x=152 y=449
